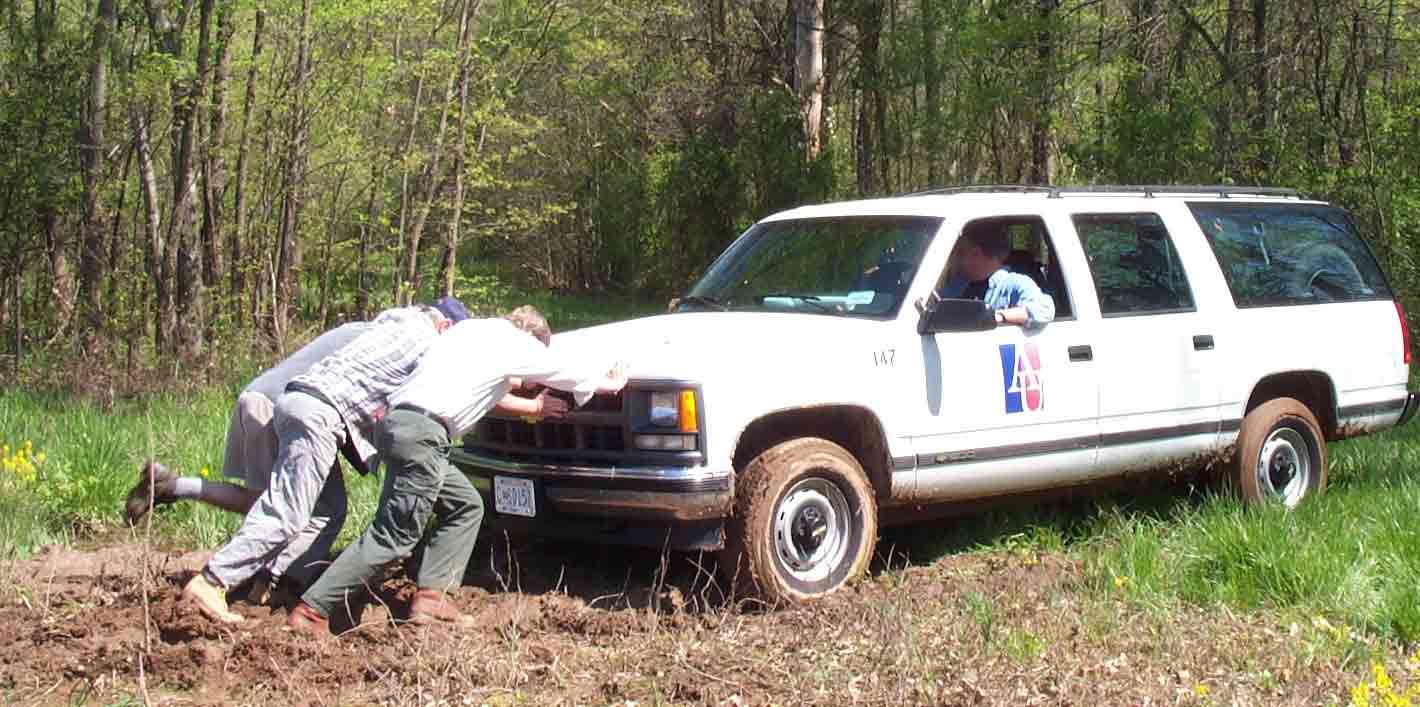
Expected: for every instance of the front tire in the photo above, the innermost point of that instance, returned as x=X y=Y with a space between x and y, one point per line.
x=1281 y=454
x=805 y=522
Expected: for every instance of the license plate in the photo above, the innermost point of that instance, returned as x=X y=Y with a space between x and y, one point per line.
x=514 y=496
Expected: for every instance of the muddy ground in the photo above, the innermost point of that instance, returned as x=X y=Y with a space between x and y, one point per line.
x=576 y=624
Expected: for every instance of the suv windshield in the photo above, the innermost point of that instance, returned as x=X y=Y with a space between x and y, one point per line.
x=849 y=266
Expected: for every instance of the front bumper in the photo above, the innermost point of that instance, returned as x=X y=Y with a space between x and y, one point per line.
x=1412 y=401
x=648 y=493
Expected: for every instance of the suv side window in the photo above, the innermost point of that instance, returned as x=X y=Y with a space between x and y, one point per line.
x=1275 y=254
x=1033 y=255
x=1134 y=264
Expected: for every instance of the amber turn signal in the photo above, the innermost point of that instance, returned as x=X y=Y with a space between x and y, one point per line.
x=689 y=419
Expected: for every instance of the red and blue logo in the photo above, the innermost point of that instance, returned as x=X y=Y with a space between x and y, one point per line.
x=1022 y=378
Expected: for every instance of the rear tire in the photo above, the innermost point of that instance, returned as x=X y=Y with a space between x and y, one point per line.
x=1281 y=455
x=805 y=522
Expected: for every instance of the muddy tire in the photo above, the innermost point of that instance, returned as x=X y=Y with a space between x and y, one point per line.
x=1281 y=455
x=805 y=522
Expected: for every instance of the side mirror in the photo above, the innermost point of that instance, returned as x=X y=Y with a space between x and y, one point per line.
x=941 y=315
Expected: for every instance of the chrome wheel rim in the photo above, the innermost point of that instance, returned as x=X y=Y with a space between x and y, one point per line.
x=1284 y=468
x=811 y=532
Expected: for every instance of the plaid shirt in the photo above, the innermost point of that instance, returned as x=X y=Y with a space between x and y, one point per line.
x=356 y=378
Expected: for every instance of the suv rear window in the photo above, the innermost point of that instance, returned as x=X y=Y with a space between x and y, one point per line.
x=1277 y=254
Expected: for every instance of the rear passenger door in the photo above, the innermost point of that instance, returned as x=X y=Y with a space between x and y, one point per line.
x=1158 y=355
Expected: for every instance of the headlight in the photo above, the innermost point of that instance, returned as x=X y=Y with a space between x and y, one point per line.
x=675 y=408
x=665 y=409
x=671 y=421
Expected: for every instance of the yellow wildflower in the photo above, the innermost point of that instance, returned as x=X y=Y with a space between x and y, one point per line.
x=1361 y=695
x=1383 y=683
x=1200 y=689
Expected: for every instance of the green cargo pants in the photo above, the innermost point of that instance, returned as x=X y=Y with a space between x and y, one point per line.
x=418 y=480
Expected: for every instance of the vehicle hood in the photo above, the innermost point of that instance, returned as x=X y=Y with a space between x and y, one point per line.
x=709 y=346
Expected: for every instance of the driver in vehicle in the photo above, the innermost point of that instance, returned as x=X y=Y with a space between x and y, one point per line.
x=976 y=271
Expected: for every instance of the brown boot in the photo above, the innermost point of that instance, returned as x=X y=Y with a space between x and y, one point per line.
x=305 y=619
x=431 y=606
x=156 y=486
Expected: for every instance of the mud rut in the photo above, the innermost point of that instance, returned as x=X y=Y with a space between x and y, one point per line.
x=579 y=624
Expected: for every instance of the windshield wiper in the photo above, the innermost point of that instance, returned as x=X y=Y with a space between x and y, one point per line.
x=704 y=301
x=814 y=300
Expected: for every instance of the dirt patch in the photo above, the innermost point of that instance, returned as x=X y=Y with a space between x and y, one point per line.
x=574 y=624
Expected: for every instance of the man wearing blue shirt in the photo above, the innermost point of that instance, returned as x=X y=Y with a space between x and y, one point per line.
x=976 y=271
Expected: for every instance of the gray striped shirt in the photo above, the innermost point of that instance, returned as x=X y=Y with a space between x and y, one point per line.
x=356 y=378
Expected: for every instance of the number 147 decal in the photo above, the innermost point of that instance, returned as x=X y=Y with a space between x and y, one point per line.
x=1022 y=378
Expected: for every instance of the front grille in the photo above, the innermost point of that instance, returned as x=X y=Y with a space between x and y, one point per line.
x=593 y=432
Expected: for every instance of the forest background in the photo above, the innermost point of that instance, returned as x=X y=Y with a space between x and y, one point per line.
x=180 y=175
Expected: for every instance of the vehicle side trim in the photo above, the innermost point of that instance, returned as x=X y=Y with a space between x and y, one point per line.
x=1071 y=444
x=1368 y=409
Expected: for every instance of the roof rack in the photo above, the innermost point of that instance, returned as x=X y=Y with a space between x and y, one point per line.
x=987 y=189
x=1148 y=191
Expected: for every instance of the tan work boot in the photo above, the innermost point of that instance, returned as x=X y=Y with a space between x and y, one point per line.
x=431 y=606
x=156 y=486
x=210 y=599
x=305 y=619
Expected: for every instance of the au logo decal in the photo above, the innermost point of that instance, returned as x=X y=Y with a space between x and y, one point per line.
x=1022 y=378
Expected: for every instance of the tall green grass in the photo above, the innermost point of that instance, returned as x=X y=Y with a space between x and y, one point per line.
x=92 y=454
x=1352 y=554
x=92 y=457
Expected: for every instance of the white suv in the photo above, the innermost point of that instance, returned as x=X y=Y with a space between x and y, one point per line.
x=811 y=387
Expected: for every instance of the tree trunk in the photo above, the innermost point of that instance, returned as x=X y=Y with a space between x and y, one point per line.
x=214 y=169
x=870 y=101
x=156 y=251
x=92 y=265
x=808 y=73
x=237 y=265
x=401 y=296
x=1388 y=51
x=1223 y=122
x=1262 y=88
x=56 y=239
x=170 y=34
x=1042 y=168
x=294 y=186
x=435 y=179
x=118 y=241
x=932 y=94
x=448 y=268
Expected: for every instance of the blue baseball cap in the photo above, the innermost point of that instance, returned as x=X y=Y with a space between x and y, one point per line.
x=452 y=309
